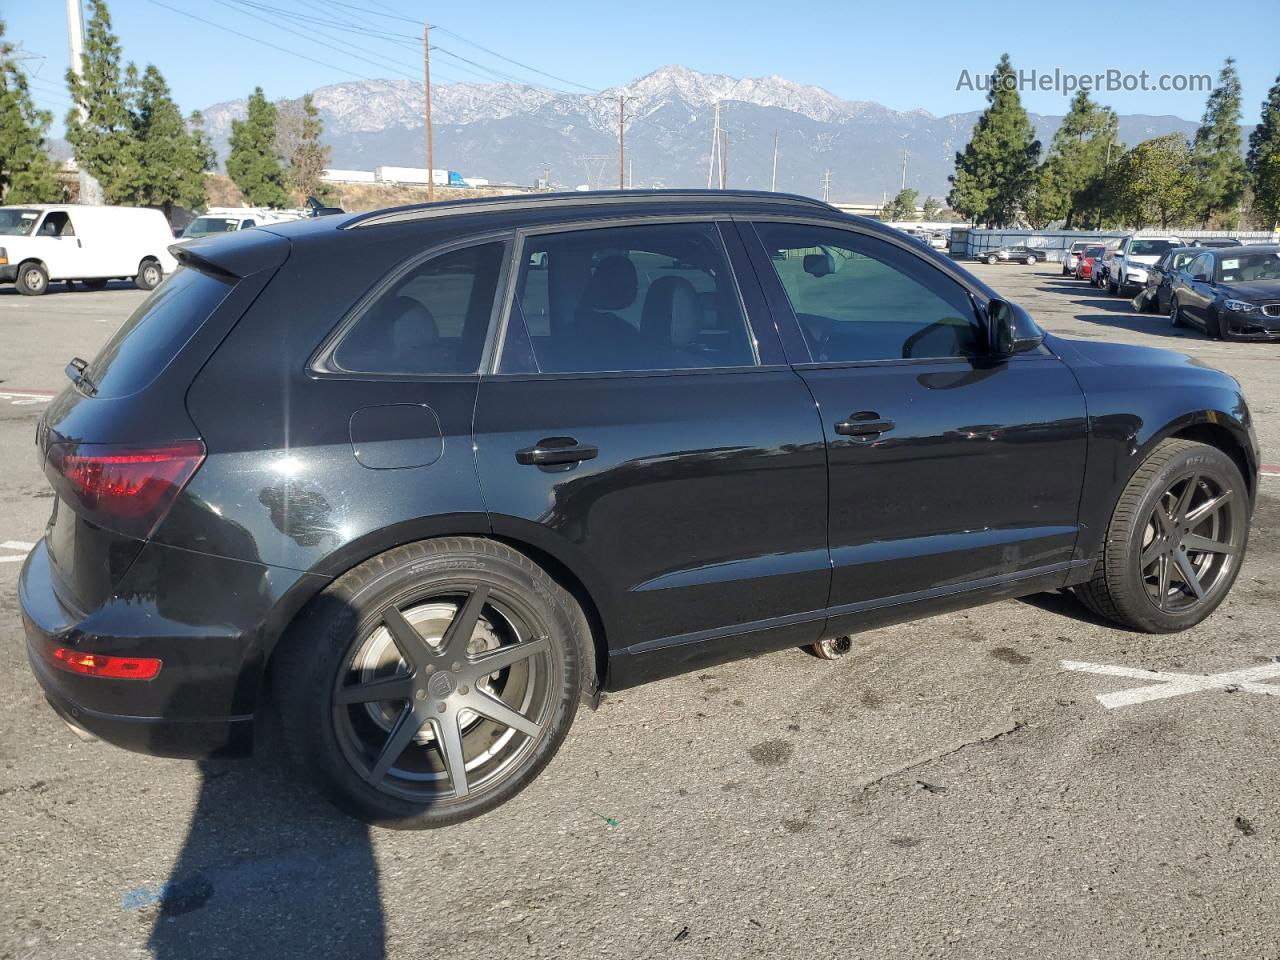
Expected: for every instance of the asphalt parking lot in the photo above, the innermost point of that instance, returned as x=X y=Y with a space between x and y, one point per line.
x=952 y=788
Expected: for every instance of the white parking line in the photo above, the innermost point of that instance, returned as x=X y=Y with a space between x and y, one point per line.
x=25 y=398
x=16 y=545
x=1162 y=685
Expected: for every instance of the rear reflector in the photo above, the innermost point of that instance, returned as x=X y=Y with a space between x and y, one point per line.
x=99 y=665
x=123 y=488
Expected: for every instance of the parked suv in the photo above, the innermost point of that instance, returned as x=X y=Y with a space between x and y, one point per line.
x=520 y=451
x=1129 y=264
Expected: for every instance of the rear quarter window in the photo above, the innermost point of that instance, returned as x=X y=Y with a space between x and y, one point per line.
x=156 y=332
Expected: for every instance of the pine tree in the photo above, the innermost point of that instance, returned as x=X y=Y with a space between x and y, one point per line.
x=1219 y=168
x=1157 y=184
x=173 y=159
x=996 y=171
x=902 y=206
x=930 y=209
x=1071 y=180
x=253 y=163
x=1263 y=161
x=27 y=175
x=298 y=138
x=103 y=138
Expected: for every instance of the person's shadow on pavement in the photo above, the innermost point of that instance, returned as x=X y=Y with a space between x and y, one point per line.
x=269 y=871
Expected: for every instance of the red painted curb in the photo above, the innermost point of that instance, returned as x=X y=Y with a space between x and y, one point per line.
x=1270 y=469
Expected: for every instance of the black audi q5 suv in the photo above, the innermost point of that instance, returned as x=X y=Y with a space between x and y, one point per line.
x=426 y=479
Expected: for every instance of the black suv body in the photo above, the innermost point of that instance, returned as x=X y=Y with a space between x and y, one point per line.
x=578 y=443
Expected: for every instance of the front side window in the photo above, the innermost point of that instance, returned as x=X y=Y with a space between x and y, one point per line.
x=56 y=224
x=860 y=298
x=1200 y=266
x=432 y=319
x=631 y=298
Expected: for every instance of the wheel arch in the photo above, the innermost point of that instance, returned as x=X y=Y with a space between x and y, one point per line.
x=294 y=606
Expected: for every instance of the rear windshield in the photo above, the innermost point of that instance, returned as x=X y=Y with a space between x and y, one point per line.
x=203 y=226
x=156 y=331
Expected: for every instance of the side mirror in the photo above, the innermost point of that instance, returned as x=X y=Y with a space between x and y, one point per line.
x=1010 y=329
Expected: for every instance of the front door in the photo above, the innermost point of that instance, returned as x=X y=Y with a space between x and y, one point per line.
x=949 y=471
x=633 y=433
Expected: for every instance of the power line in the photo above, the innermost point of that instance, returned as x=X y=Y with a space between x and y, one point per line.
x=518 y=63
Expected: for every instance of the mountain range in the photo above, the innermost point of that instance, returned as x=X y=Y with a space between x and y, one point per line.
x=512 y=133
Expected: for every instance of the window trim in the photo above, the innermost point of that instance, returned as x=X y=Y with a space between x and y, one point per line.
x=524 y=234
x=321 y=365
x=978 y=298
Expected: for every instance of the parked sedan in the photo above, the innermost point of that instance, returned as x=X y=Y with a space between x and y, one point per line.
x=1088 y=260
x=430 y=503
x=1232 y=294
x=1154 y=297
x=1027 y=255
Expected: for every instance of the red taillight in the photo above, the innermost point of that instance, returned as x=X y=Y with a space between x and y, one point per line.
x=127 y=489
x=100 y=665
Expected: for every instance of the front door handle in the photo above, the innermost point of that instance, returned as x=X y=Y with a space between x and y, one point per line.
x=864 y=426
x=556 y=450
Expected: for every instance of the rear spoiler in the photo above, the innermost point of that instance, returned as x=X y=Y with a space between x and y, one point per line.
x=234 y=255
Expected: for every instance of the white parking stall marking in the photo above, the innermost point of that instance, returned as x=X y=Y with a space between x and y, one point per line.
x=1162 y=685
x=16 y=545
x=26 y=398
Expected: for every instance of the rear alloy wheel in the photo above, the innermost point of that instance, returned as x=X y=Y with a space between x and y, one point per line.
x=32 y=280
x=1175 y=542
x=432 y=683
x=993 y=259
x=149 y=275
x=1031 y=261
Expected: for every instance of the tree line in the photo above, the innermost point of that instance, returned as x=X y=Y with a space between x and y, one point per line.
x=1089 y=180
x=129 y=134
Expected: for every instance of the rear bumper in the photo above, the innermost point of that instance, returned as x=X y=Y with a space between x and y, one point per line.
x=212 y=644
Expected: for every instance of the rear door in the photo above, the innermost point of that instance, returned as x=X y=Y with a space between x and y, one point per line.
x=949 y=471
x=643 y=428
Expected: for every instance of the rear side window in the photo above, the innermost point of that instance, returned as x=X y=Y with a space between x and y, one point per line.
x=631 y=298
x=156 y=331
x=432 y=319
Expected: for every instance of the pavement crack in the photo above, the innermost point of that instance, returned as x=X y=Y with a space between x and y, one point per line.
x=987 y=736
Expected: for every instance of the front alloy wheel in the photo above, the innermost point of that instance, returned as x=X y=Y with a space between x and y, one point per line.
x=1175 y=542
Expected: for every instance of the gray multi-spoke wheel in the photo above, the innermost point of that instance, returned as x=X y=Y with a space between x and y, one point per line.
x=1175 y=542
x=433 y=682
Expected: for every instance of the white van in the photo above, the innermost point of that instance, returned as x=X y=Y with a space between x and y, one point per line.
x=42 y=243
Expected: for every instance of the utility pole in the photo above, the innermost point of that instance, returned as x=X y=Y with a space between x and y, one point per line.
x=715 y=146
x=426 y=81
x=826 y=186
x=90 y=190
x=904 y=169
x=724 y=156
x=622 y=148
x=773 y=186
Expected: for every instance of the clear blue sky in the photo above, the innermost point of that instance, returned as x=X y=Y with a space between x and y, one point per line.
x=902 y=55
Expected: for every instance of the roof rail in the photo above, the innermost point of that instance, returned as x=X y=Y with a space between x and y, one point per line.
x=530 y=201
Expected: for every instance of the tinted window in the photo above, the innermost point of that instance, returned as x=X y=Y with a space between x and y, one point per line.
x=1200 y=265
x=653 y=297
x=1150 y=248
x=156 y=331
x=859 y=298
x=432 y=319
x=1094 y=252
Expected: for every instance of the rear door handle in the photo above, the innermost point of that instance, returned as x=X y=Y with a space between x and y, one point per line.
x=864 y=426
x=555 y=450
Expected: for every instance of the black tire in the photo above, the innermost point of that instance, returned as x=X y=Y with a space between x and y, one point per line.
x=1175 y=313
x=1030 y=261
x=1122 y=589
x=416 y=788
x=1113 y=288
x=32 y=279
x=993 y=260
x=94 y=284
x=1213 y=325
x=150 y=274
